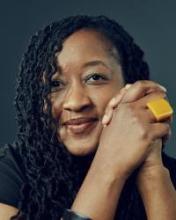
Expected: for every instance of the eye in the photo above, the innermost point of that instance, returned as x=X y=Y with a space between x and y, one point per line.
x=96 y=77
x=56 y=85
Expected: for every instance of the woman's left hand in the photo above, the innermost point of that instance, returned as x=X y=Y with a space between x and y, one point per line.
x=154 y=158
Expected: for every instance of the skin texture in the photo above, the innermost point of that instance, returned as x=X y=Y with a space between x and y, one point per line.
x=79 y=94
x=126 y=96
x=136 y=126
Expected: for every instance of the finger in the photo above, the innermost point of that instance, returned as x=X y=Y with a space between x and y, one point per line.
x=167 y=137
x=152 y=119
x=143 y=102
x=158 y=95
x=149 y=97
x=160 y=130
x=113 y=104
x=141 y=88
x=107 y=117
x=116 y=99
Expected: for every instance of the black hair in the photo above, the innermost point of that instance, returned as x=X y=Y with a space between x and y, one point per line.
x=52 y=175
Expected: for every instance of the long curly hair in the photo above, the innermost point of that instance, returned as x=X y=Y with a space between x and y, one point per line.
x=52 y=175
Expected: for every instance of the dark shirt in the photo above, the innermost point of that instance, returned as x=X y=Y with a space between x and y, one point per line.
x=12 y=177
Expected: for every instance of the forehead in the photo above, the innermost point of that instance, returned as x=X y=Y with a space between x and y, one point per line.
x=85 y=45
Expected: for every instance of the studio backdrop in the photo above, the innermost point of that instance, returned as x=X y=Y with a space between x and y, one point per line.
x=152 y=23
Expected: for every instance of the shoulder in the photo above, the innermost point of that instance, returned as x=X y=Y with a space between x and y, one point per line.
x=170 y=164
x=11 y=176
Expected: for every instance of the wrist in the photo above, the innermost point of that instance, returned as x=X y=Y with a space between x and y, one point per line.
x=109 y=171
x=152 y=177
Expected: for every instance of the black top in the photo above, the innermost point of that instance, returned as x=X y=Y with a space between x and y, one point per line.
x=12 y=174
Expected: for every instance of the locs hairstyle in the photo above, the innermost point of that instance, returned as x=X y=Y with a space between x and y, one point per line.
x=52 y=175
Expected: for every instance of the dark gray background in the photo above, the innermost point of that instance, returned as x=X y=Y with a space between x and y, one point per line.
x=151 y=23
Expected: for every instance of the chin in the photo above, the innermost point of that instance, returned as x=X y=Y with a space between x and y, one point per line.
x=81 y=150
x=81 y=144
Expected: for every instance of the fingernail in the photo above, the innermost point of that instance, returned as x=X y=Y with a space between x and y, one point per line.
x=105 y=119
x=113 y=101
x=163 y=88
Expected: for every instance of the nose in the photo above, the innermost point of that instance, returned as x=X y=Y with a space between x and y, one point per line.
x=77 y=100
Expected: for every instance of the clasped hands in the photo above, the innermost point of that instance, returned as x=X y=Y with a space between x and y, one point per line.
x=136 y=96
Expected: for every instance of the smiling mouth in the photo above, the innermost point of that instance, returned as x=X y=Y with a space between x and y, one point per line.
x=82 y=128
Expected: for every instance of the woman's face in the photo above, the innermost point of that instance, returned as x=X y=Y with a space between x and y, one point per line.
x=88 y=76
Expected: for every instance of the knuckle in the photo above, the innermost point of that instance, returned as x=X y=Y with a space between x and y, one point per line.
x=162 y=93
x=156 y=95
x=141 y=83
x=144 y=133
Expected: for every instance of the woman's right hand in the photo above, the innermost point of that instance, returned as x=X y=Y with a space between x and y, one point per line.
x=127 y=140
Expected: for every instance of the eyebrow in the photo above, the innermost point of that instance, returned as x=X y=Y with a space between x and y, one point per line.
x=87 y=64
x=95 y=63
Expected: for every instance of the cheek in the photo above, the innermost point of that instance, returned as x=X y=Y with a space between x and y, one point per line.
x=56 y=106
x=101 y=98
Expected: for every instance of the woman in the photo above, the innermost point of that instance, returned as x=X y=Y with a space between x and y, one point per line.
x=87 y=147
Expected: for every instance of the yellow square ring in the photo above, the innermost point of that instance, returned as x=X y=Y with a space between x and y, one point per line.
x=160 y=108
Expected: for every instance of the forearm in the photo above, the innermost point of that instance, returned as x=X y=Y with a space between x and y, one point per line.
x=99 y=194
x=158 y=194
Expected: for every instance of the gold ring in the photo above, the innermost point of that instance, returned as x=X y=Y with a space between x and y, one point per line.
x=160 y=108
